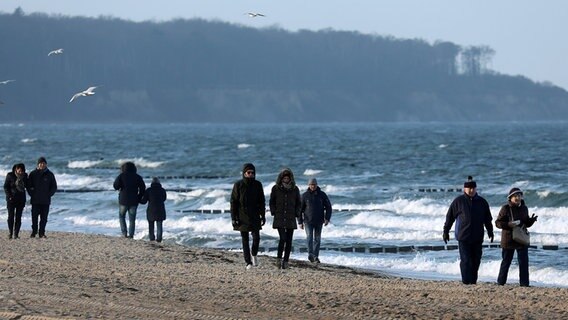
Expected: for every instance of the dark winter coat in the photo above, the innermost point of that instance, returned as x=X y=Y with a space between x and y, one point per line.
x=41 y=186
x=155 y=196
x=285 y=203
x=470 y=215
x=130 y=184
x=15 y=188
x=502 y=222
x=316 y=207
x=248 y=205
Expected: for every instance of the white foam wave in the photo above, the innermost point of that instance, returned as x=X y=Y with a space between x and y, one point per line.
x=82 y=164
x=71 y=181
x=141 y=162
x=29 y=140
x=244 y=145
x=312 y=172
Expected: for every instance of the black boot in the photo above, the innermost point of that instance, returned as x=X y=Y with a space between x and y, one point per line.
x=284 y=264
x=279 y=263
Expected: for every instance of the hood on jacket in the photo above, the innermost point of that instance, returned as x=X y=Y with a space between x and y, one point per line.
x=285 y=171
x=128 y=167
x=18 y=165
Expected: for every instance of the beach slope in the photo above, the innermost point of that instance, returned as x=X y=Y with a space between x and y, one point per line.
x=72 y=275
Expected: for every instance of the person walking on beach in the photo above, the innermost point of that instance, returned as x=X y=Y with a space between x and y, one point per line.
x=41 y=187
x=15 y=189
x=248 y=210
x=315 y=213
x=155 y=196
x=285 y=205
x=514 y=213
x=131 y=187
x=470 y=212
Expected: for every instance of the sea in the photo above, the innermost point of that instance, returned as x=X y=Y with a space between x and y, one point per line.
x=390 y=185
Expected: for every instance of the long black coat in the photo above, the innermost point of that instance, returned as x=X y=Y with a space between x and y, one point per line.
x=155 y=196
x=502 y=222
x=130 y=184
x=285 y=203
x=248 y=205
x=41 y=186
x=15 y=197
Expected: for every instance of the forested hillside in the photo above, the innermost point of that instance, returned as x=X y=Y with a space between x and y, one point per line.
x=207 y=71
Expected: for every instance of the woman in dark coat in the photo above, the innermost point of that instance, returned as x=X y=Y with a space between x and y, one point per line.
x=155 y=196
x=15 y=189
x=248 y=210
x=514 y=213
x=285 y=206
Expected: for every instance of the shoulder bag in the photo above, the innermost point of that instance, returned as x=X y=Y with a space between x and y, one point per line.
x=520 y=234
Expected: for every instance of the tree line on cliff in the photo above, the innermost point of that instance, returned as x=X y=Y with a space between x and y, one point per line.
x=210 y=71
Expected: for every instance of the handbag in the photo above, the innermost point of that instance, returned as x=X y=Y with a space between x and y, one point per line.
x=520 y=234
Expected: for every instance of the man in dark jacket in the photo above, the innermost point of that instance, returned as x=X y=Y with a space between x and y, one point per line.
x=248 y=210
x=131 y=187
x=470 y=212
x=285 y=205
x=41 y=187
x=155 y=196
x=315 y=213
x=15 y=189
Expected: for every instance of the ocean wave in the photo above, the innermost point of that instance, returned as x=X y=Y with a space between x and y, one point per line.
x=142 y=163
x=244 y=145
x=83 y=164
x=312 y=172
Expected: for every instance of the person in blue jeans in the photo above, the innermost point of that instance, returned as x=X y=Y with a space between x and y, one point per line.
x=315 y=213
x=131 y=188
x=514 y=213
x=155 y=196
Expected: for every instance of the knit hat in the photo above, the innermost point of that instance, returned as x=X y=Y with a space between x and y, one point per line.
x=41 y=160
x=513 y=192
x=155 y=180
x=313 y=181
x=248 y=166
x=470 y=183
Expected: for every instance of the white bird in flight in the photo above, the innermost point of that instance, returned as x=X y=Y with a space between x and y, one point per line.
x=255 y=14
x=88 y=92
x=6 y=81
x=57 y=51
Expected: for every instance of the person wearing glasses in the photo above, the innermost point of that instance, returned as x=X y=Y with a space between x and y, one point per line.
x=285 y=205
x=470 y=212
x=514 y=213
x=248 y=210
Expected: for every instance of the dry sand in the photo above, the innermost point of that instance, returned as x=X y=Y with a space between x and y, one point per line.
x=71 y=275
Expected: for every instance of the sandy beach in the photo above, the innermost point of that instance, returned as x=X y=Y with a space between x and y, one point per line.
x=77 y=276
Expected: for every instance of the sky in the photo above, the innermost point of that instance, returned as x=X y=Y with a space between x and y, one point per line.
x=527 y=35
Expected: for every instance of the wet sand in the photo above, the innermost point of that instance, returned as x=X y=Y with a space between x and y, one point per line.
x=72 y=275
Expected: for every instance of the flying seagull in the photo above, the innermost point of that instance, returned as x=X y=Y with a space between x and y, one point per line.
x=58 y=51
x=6 y=81
x=88 y=92
x=255 y=14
